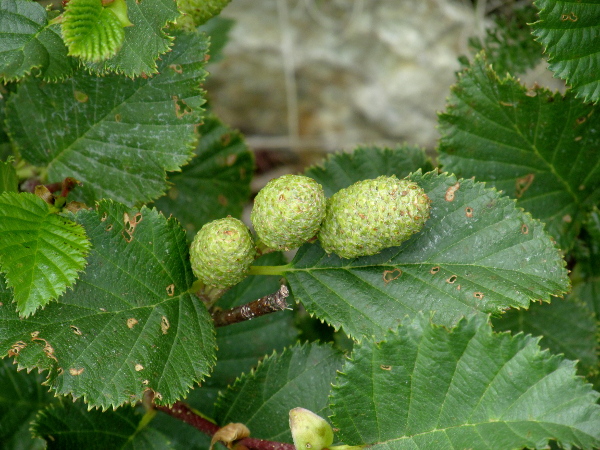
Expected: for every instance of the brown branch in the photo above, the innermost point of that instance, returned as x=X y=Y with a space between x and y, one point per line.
x=265 y=305
x=186 y=414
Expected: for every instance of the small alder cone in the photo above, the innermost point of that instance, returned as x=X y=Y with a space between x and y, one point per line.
x=222 y=252
x=288 y=211
x=371 y=215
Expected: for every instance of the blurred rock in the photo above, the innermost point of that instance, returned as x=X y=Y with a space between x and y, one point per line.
x=330 y=74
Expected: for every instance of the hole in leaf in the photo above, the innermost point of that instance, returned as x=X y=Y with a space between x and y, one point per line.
x=478 y=295
x=391 y=275
x=469 y=212
x=522 y=184
x=434 y=270
x=451 y=192
x=452 y=279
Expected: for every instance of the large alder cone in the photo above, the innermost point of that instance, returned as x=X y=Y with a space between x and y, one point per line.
x=222 y=252
x=371 y=215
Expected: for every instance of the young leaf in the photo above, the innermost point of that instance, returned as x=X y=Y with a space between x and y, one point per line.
x=301 y=376
x=216 y=182
x=28 y=41
x=70 y=425
x=537 y=146
x=197 y=12
x=569 y=32
x=145 y=41
x=477 y=254
x=343 y=169
x=21 y=397
x=116 y=136
x=428 y=387
x=566 y=326
x=8 y=177
x=129 y=324
x=41 y=252
x=242 y=345
x=91 y=31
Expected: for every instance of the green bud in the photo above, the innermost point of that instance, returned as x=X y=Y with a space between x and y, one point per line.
x=309 y=431
x=371 y=215
x=222 y=252
x=288 y=211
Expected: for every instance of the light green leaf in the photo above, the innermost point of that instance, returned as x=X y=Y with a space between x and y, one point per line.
x=28 y=42
x=116 y=136
x=129 y=324
x=145 y=41
x=70 y=425
x=41 y=252
x=216 y=182
x=343 y=169
x=427 y=387
x=8 y=177
x=569 y=32
x=301 y=376
x=242 y=345
x=566 y=326
x=537 y=146
x=91 y=31
x=21 y=397
x=477 y=254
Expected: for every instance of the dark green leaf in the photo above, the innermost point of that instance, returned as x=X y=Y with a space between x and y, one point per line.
x=41 y=252
x=343 y=169
x=116 y=136
x=301 y=376
x=129 y=324
x=216 y=183
x=21 y=397
x=569 y=31
x=242 y=345
x=566 y=326
x=28 y=42
x=218 y=29
x=8 y=177
x=145 y=41
x=427 y=387
x=508 y=44
x=70 y=425
x=477 y=254
x=537 y=146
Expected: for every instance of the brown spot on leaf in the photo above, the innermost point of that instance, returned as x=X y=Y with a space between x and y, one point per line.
x=81 y=97
x=571 y=17
x=581 y=120
x=130 y=224
x=118 y=118
x=451 y=279
x=131 y=322
x=469 y=212
x=164 y=324
x=76 y=330
x=522 y=184
x=391 y=275
x=567 y=218
x=16 y=348
x=75 y=372
x=108 y=228
x=524 y=229
x=434 y=270
x=139 y=367
x=385 y=367
x=176 y=67
x=478 y=295
x=231 y=159
x=451 y=192
x=171 y=290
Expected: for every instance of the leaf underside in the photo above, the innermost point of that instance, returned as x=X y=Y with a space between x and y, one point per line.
x=477 y=254
x=41 y=252
x=537 y=146
x=116 y=136
x=129 y=324
x=570 y=33
x=427 y=387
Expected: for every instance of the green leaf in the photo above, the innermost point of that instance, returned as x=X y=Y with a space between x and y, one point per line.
x=508 y=44
x=343 y=169
x=197 y=12
x=537 y=146
x=301 y=376
x=477 y=254
x=70 y=425
x=216 y=183
x=40 y=251
x=218 y=29
x=242 y=345
x=9 y=181
x=28 y=41
x=116 y=136
x=145 y=41
x=569 y=32
x=129 y=324
x=428 y=387
x=91 y=31
x=566 y=326
x=21 y=397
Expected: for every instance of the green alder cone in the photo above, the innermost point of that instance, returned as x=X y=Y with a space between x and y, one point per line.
x=196 y=12
x=221 y=252
x=371 y=215
x=288 y=211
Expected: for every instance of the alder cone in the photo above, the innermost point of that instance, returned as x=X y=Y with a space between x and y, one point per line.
x=288 y=211
x=222 y=252
x=371 y=215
